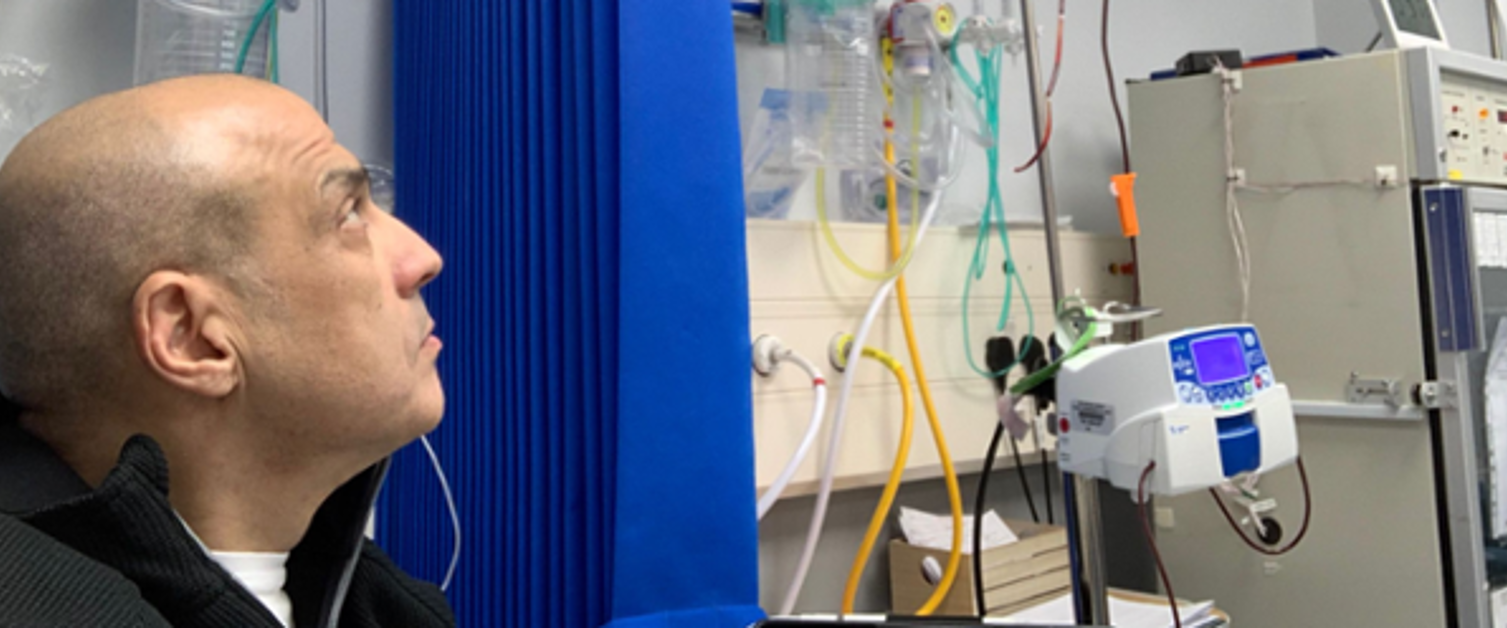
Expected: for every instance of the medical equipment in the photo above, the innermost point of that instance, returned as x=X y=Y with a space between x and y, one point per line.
x=830 y=51
x=1409 y=23
x=897 y=470
x=1369 y=187
x=770 y=176
x=183 y=37
x=768 y=353
x=1203 y=405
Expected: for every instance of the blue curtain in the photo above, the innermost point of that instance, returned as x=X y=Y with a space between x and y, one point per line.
x=577 y=163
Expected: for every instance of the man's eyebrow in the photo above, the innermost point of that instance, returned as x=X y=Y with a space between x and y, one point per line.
x=347 y=178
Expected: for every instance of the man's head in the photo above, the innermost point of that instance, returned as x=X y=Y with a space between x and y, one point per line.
x=200 y=256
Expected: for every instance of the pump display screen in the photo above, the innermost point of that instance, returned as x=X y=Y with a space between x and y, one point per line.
x=1219 y=359
x=1414 y=16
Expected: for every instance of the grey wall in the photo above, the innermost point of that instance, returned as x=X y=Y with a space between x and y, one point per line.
x=1349 y=25
x=359 y=58
x=88 y=44
x=1145 y=36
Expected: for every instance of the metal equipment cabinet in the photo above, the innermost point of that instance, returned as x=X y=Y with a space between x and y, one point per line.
x=1373 y=185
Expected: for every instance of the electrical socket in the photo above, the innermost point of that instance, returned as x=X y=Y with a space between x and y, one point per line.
x=837 y=351
x=767 y=352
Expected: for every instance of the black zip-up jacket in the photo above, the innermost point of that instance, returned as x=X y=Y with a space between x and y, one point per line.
x=118 y=557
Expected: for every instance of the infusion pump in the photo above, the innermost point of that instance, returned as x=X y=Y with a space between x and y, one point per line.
x=1203 y=404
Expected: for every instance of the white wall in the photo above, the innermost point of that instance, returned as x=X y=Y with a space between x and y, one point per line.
x=1349 y=25
x=1145 y=35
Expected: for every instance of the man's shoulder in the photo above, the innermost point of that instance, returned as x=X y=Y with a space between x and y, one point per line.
x=382 y=594
x=46 y=583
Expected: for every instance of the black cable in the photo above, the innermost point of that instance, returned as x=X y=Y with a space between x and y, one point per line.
x=1046 y=481
x=978 y=520
x=1114 y=98
x=1025 y=486
x=1374 y=40
x=1140 y=503
x=999 y=352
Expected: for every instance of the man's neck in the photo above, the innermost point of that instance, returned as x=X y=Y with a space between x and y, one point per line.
x=232 y=501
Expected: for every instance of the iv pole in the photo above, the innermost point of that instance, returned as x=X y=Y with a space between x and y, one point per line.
x=1084 y=528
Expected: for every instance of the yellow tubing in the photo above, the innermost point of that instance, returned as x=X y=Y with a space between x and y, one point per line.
x=842 y=256
x=954 y=496
x=887 y=498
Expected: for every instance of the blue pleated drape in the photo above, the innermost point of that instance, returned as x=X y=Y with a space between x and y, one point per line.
x=577 y=163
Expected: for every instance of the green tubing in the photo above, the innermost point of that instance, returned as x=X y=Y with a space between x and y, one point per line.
x=256 y=25
x=986 y=90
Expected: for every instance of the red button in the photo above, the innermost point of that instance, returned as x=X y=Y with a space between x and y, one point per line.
x=1258 y=381
x=1062 y=426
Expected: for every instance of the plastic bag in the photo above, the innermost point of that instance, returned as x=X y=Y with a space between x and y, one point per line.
x=22 y=83
x=830 y=54
x=770 y=177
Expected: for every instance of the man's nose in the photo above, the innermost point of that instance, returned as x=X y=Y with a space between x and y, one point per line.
x=416 y=262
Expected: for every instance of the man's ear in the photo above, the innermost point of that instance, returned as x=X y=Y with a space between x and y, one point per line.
x=183 y=333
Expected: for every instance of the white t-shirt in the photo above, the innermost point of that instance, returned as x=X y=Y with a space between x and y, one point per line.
x=262 y=573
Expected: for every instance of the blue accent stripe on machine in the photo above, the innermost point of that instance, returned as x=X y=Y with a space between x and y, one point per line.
x=1447 y=222
x=1239 y=444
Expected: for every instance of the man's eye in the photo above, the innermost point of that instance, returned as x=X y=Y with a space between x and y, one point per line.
x=352 y=215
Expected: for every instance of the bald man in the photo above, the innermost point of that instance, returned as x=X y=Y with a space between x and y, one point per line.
x=210 y=342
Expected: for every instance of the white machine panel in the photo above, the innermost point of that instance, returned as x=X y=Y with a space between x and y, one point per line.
x=1203 y=404
x=1475 y=127
x=1459 y=116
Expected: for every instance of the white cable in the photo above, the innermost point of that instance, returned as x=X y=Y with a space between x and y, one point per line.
x=1233 y=218
x=955 y=169
x=450 y=502
x=767 y=500
x=829 y=469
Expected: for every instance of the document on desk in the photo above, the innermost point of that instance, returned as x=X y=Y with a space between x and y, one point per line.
x=923 y=529
x=1122 y=614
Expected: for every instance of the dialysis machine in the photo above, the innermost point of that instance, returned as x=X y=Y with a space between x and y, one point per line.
x=1356 y=208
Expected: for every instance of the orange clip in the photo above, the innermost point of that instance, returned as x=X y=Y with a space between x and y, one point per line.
x=1123 y=188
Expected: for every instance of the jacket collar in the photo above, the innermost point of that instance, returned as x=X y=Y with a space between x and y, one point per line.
x=128 y=524
x=31 y=475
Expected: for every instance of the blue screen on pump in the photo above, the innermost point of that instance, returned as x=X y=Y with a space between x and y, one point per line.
x=1219 y=359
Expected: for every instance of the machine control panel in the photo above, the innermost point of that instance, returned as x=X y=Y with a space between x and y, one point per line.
x=1223 y=368
x=1473 y=114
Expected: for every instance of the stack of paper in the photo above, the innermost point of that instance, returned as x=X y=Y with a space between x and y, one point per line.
x=1122 y=613
x=923 y=529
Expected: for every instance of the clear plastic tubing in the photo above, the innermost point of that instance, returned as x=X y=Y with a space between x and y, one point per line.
x=831 y=46
x=182 y=37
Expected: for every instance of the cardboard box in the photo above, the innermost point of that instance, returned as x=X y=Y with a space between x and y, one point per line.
x=1016 y=576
